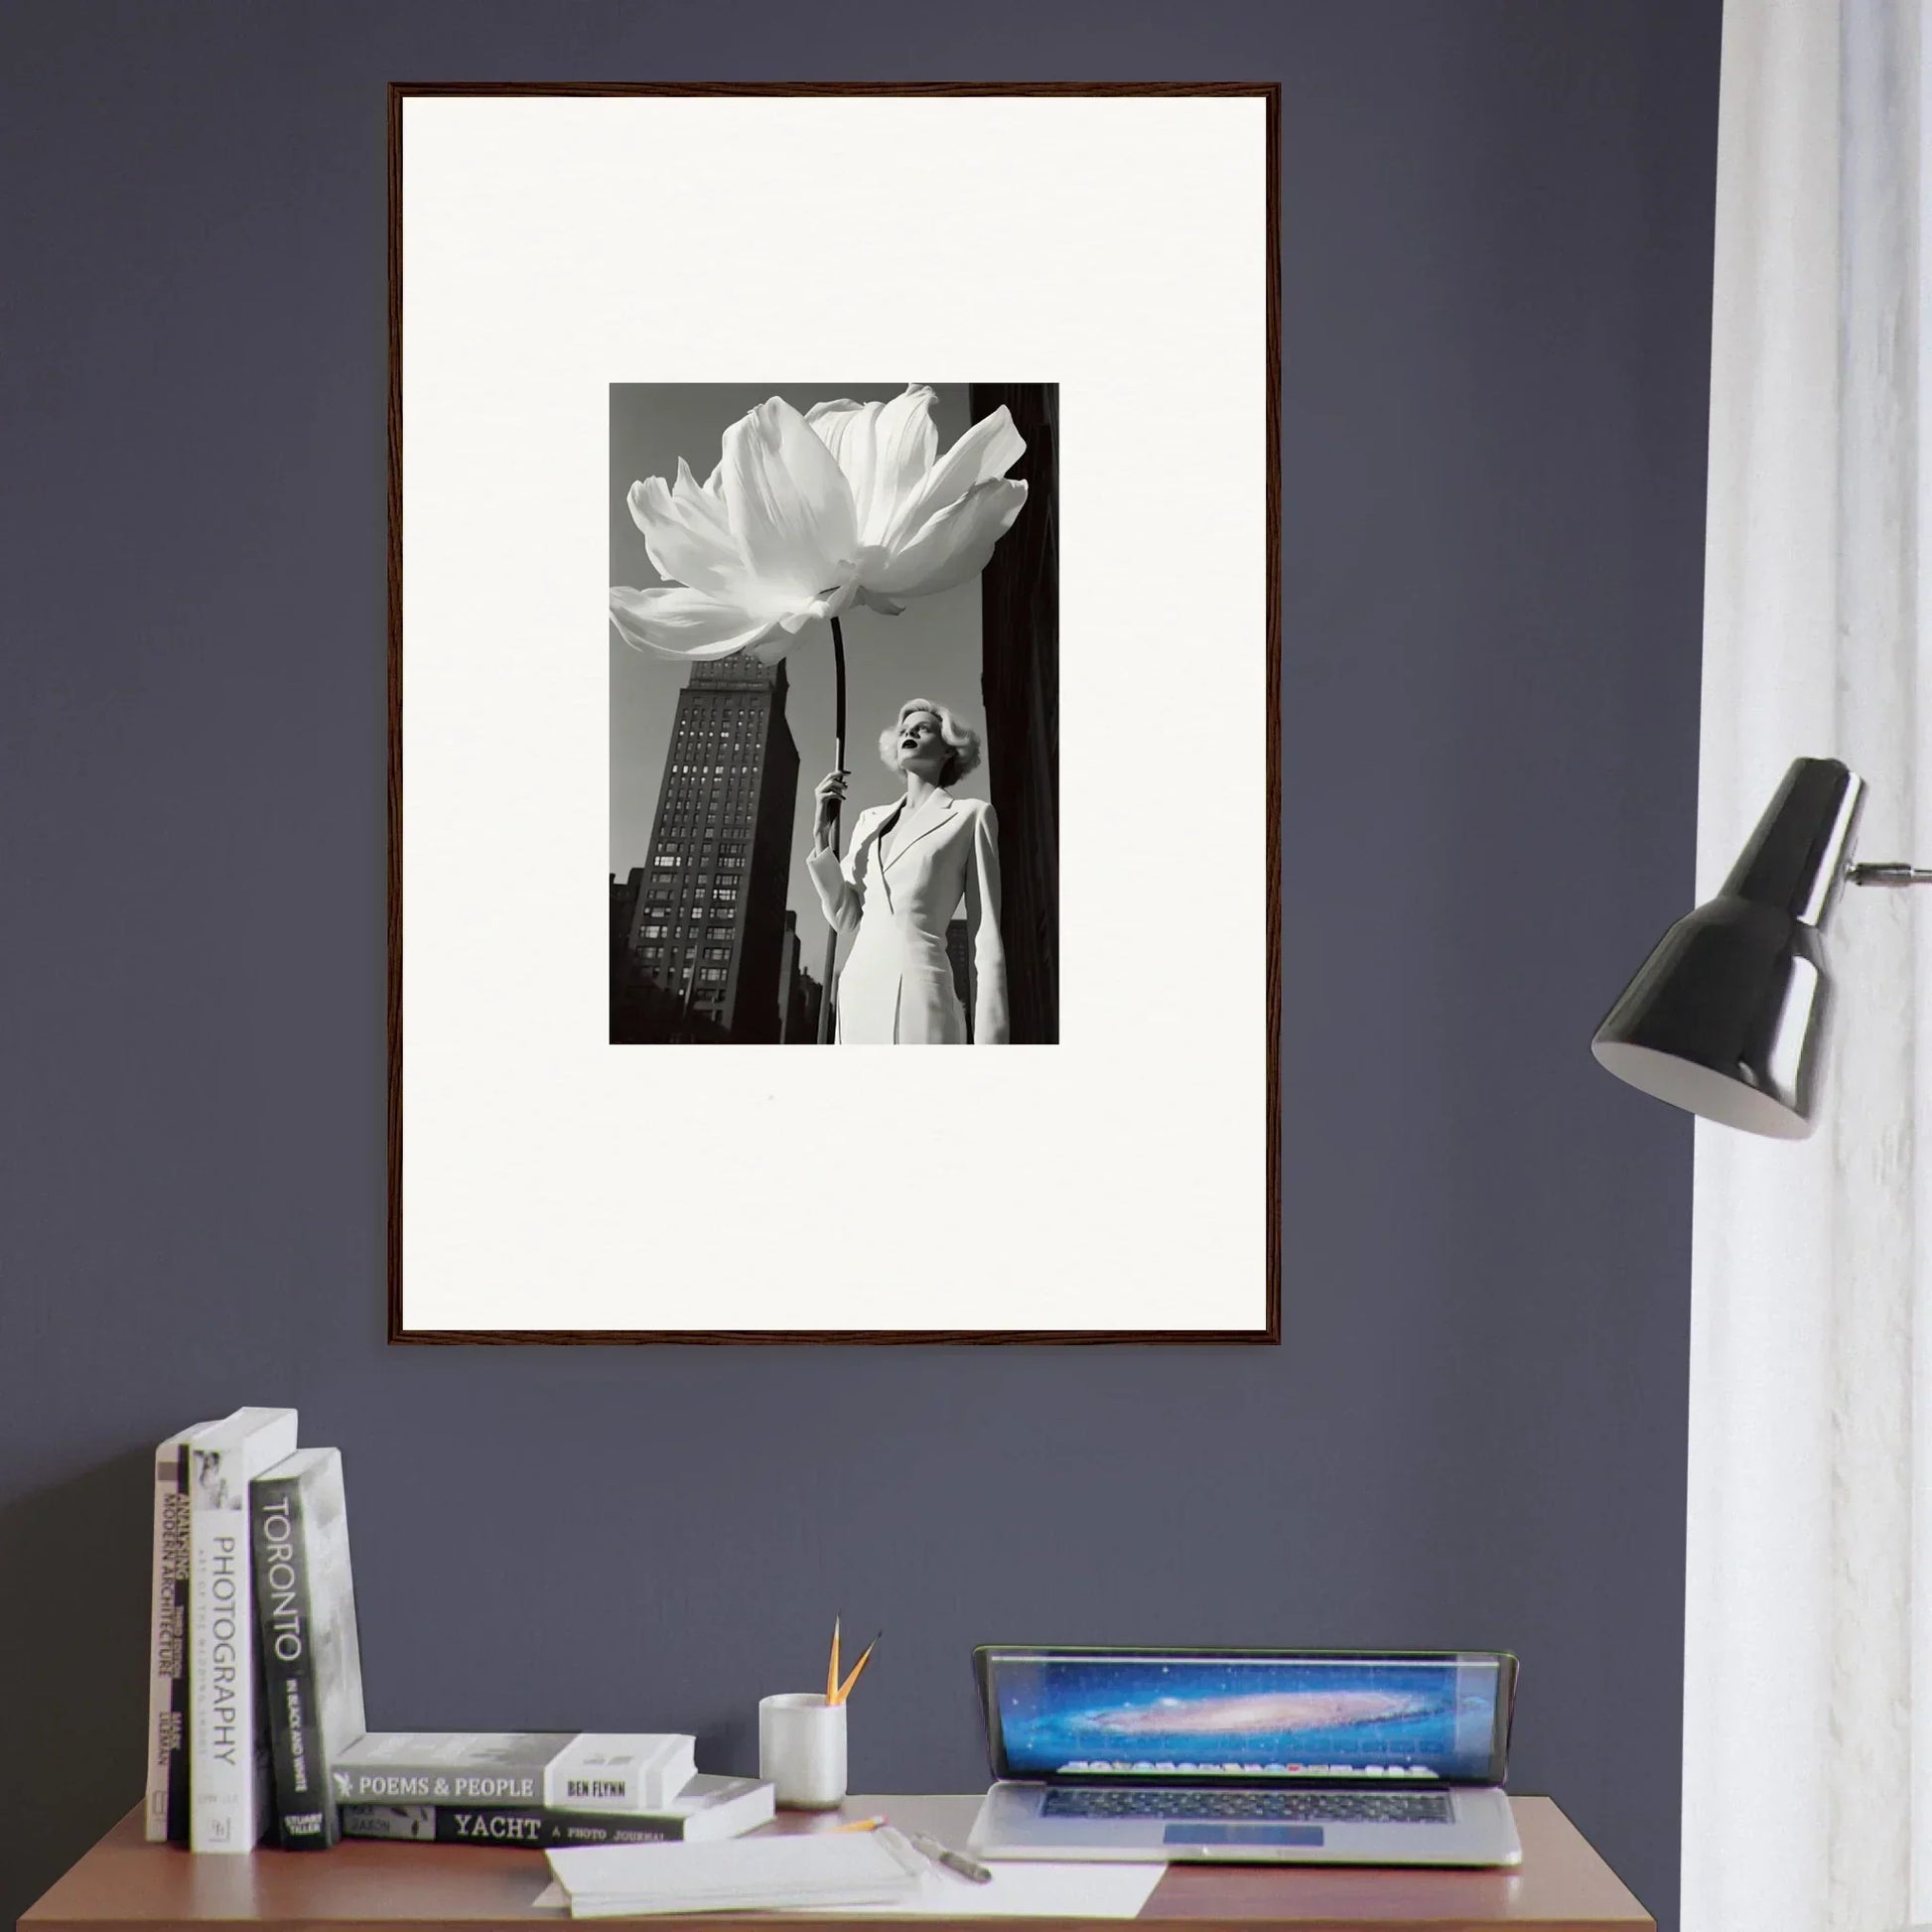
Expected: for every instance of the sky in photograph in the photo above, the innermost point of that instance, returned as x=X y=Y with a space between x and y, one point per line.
x=930 y=651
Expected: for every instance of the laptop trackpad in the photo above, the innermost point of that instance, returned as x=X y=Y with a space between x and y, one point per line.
x=1243 y=1834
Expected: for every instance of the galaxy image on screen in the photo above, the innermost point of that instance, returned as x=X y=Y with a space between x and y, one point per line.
x=1372 y=1719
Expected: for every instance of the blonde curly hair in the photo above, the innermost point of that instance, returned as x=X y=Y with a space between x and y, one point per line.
x=962 y=741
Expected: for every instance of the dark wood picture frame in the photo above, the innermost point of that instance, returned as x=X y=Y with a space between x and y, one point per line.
x=1270 y=1334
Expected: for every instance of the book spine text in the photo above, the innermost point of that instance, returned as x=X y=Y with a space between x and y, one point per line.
x=165 y=1814
x=423 y=1784
x=306 y=1816
x=222 y=1726
x=540 y=1827
x=620 y=1790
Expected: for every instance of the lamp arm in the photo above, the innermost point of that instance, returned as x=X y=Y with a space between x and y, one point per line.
x=1891 y=871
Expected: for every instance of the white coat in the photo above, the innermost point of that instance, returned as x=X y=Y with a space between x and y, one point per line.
x=897 y=986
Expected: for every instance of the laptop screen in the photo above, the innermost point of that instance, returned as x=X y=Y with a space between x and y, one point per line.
x=1253 y=1716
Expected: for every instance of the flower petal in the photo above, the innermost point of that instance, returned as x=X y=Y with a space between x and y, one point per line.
x=952 y=546
x=788 y=503
x=686 y=623
x=989 y=449
x=686 y=535
x=702 y=501
x=687 y=486
x=885 y=449
x=845 y=429
x=834 y=604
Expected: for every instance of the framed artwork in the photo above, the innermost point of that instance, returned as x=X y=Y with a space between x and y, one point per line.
x=859 y=509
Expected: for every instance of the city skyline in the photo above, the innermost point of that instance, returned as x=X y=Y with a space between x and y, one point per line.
x=706 y=929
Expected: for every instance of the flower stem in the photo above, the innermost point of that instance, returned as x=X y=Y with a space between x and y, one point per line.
x=838 y=764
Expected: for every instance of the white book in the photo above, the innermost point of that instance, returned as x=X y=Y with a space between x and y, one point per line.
x=168 y=1638
x=567 y=1770
x=228 y=1772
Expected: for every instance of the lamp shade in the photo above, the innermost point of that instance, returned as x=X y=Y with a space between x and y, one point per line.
x=1727 y=1017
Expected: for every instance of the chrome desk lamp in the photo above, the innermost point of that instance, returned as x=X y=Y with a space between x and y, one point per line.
x=1729 y=1014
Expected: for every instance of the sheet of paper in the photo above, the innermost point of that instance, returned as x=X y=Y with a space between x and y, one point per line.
x=1030 y=1888
x=1020 y=1889
x=776 y=1872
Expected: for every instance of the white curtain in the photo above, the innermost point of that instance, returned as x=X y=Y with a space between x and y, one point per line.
x=1808 y=1669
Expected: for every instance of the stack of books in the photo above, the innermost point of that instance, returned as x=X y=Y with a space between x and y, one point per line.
x=256 y=1723
x=539 y=1788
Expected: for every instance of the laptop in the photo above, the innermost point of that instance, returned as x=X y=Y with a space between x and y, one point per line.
x=1262 y=1757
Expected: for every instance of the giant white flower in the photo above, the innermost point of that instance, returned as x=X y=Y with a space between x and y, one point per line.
x=804 y=515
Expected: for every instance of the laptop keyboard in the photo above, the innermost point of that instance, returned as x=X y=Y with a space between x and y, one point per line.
x=1299 y=1807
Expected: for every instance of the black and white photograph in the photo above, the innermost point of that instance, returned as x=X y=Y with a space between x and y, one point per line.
x=834 y=700
x=914 y=646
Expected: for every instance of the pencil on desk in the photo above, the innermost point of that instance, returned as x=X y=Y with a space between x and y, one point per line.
x=843 y=1691
x=832 y=1668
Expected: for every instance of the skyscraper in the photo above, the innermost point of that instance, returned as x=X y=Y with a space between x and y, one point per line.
x=798 y=992
x=624 y=920
x=708 y=924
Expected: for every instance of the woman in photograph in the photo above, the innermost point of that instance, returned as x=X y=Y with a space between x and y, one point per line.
x=909 y=864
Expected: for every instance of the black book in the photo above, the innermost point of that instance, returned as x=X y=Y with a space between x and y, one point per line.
x=312 y=1662
x=708 y=1808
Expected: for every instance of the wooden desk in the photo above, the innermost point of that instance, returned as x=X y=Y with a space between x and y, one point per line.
x=126 y=1886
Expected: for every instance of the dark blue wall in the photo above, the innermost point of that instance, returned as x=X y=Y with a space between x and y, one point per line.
x=1496 y=253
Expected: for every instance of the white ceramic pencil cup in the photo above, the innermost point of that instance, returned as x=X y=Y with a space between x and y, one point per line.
x=801 y=1750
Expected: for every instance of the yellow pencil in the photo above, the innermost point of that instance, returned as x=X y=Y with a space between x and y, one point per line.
x=845 y=1689
x=832 y=1668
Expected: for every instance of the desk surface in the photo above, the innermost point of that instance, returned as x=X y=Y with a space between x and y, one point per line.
x=127 y=1885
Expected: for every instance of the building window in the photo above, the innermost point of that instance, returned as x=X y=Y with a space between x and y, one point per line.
x=715 y=975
